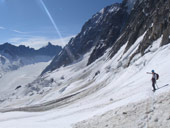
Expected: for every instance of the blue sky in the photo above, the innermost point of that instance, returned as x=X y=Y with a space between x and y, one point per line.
x=26 y=21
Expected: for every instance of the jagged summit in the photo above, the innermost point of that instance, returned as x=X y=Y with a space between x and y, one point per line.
x=98 y=33
x=24 y=51
x=49 y=44
x=112 y=27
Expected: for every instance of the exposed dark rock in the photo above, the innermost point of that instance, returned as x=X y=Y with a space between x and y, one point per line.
x=52 y=80
x=62 y=78
x=98 y=72
x=168 y=118
x=124 y=113
x=156 y=120
x=116 y=22
x=150 y=16
x=18 y=87
x=111 y=99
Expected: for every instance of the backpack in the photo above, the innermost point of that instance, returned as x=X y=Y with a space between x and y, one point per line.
x=157 y=76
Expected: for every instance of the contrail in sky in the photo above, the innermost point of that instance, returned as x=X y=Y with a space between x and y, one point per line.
x=52 y=20
x=57 y=30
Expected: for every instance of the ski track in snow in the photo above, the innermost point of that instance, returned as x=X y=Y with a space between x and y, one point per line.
x=101 y=97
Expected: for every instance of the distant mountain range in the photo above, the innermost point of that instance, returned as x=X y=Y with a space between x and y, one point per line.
x=13 y=57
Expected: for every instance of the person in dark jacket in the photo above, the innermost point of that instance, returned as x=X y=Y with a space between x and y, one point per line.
x=154 y=78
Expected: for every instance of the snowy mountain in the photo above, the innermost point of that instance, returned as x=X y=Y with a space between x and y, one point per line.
x=97 y=34
x=13 y=57
x=99 y=79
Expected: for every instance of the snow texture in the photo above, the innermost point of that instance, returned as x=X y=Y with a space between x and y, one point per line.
x=103 y=94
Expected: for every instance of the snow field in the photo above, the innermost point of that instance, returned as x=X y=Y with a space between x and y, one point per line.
x=102 y=88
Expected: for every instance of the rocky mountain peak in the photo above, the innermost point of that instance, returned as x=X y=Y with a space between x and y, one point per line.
x=114 y=26
x=149 y=17
x=99 y=33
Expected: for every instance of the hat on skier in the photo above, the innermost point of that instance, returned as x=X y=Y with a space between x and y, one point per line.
x=153 y=71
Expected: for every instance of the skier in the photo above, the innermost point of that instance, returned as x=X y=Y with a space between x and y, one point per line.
x=154 y=78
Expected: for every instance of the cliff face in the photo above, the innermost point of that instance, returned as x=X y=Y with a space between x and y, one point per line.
x=151 y=17
x=112 y=27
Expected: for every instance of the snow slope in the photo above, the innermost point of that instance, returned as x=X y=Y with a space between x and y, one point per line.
x=79 y=92
x=11 y=65
x=150 y=113
x=20 y=77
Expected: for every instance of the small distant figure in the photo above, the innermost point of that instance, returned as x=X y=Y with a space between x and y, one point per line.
x=155 y=77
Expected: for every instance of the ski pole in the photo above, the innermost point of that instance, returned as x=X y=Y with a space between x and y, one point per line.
x=157 y=86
